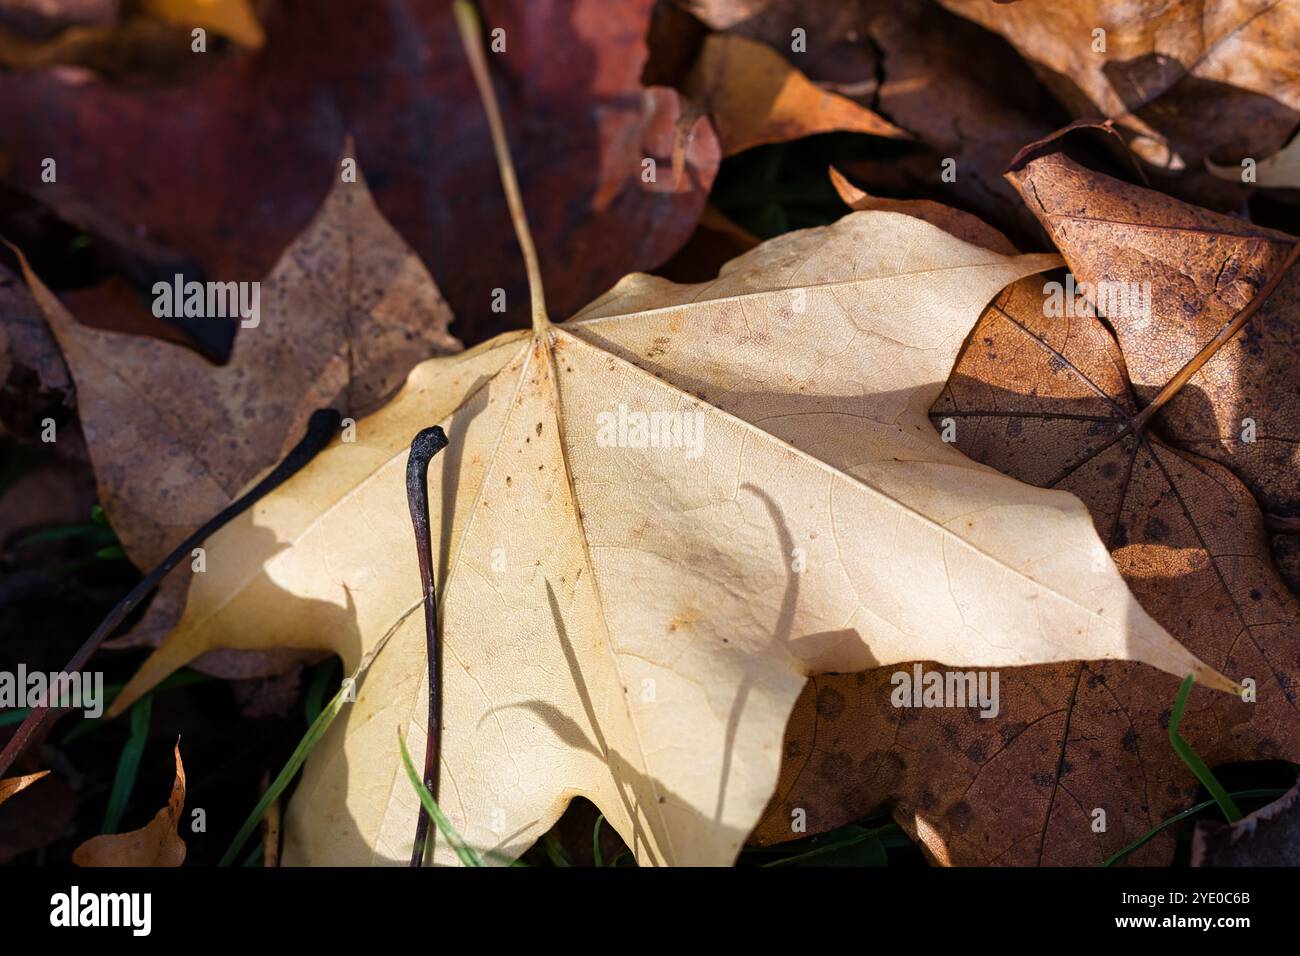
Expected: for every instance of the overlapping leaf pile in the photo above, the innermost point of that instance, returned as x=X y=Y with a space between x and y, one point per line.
x=685 y=538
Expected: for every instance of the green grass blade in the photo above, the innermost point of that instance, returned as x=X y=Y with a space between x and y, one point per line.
x=63 y=532
x=1193 y=759
x=1177 y=817
x=555 y=851
x=314 y=698
x=463 y=849
x=128 y=765
x=595 y=839
x=287 y=772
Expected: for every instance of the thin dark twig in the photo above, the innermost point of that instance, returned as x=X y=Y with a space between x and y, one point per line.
x=424 y=446
x=324 y=422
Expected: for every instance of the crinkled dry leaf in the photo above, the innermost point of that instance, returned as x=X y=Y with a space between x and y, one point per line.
x=155 y=844
x=631 y=622
x=1190 y=78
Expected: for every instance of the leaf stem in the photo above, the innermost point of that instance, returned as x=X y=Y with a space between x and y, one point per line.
x=427 y=443
x=471 y=38
x=1185 y=374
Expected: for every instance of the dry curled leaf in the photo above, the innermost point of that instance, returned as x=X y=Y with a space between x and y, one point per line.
x=960 y=91
x=633 y=623
x=952 y=221
x=756 y=97
x=37 y=819
x=1279 y=171
x=1189 y=79
x=155 y=844
x=344 y=315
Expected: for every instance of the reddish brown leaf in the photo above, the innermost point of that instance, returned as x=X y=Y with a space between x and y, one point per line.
x=1202 y=269
x=254 y=137
x=716 y=241
x=1187 y=80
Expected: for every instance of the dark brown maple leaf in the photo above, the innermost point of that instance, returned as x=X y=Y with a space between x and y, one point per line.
x=230 y=167
x=1241 y=409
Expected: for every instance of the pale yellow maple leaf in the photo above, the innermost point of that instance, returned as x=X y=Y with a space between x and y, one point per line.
x=633 y=625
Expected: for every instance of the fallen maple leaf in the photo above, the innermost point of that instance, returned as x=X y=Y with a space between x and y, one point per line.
x=155 y=844
x=756 y=97
x=248 y=133
x=344 y=315
x=1195 y=270
x=625 y=623
x=1046 y=399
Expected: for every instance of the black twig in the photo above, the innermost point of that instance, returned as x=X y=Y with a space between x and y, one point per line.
x=424 y=446
x=323 y=424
